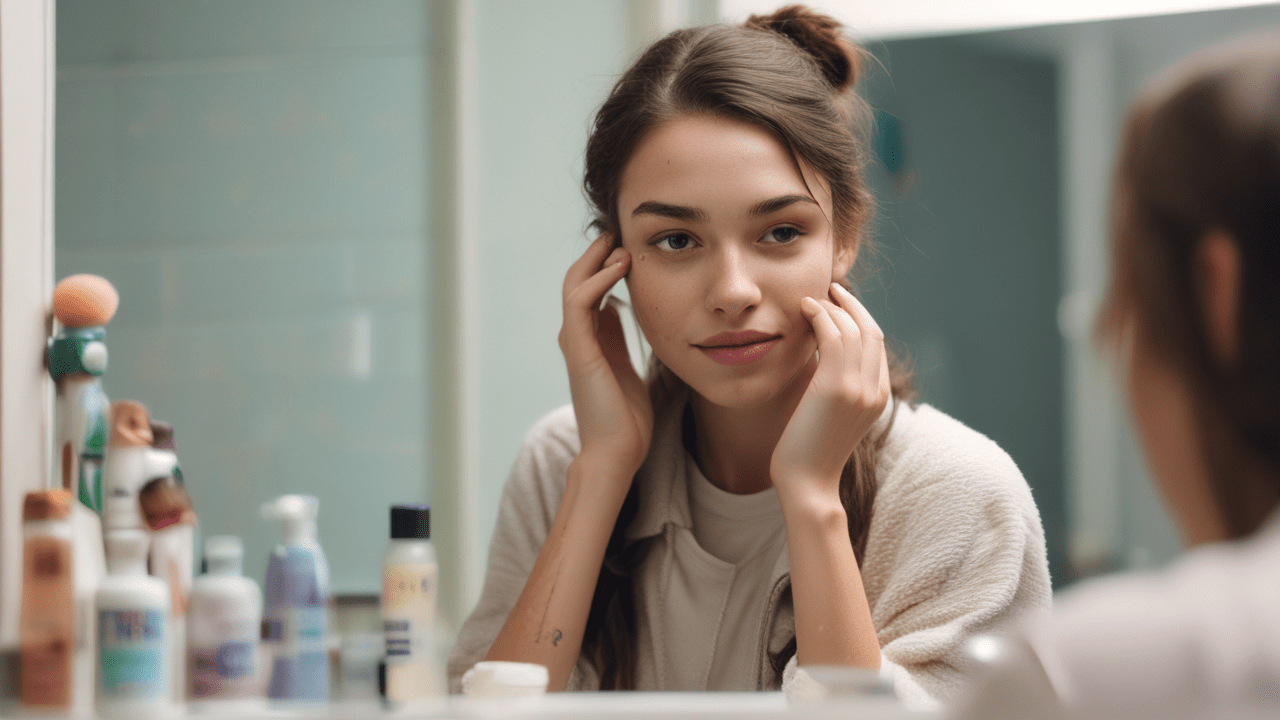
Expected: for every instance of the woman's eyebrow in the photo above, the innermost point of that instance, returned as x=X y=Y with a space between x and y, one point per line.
x=675 y=212
x=773 y=205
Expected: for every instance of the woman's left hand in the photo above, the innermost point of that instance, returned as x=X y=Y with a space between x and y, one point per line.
x=846 y=395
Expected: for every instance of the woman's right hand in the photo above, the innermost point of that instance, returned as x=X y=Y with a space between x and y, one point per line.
x=615 y=416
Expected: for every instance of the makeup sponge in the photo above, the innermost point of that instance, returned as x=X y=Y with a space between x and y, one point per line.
x=84 y=301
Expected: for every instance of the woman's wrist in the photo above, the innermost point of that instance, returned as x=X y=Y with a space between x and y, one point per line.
x=812 y=505
x=600 y=479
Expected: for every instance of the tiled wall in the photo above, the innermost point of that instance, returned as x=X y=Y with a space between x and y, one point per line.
x=252 y=177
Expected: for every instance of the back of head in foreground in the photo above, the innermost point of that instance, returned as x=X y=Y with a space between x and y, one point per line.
x=1193 y=316
x=1193 y=303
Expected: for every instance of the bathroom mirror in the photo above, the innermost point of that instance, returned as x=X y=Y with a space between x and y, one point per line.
x=257 y=181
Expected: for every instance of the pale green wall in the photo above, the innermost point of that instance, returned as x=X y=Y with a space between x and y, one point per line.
x=968 y=236
x=252 y=177
x=543 y=69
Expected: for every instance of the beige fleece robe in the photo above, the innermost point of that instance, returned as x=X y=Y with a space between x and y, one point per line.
x=955 y=549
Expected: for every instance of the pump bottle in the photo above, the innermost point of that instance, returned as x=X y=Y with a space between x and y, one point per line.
x=295 y=615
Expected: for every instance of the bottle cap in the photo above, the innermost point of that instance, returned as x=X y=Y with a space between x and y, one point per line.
x=162 y=435
x=224 y=554
x=127 y=551
x=410 y=522
x=50 y=504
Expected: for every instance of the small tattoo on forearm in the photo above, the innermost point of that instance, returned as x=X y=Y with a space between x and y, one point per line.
x=555 y=639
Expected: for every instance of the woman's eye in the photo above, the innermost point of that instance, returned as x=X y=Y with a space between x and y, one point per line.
x=784 y=234
x=675 y=241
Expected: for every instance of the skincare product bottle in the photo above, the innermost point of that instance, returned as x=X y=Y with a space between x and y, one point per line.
x=224 y=619
x=77 y=357
x=167 y=511
x=133 y=614
x=46 y=634
x=295 y=614
x=129 y=465
x=409 y=576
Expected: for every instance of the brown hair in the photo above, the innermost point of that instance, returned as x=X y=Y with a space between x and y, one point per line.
x=1201 y=154
x=791 y=73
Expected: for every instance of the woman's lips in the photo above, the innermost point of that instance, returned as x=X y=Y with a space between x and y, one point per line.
x=738 y=348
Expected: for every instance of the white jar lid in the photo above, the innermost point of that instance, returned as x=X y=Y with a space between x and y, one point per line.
x=494 y=678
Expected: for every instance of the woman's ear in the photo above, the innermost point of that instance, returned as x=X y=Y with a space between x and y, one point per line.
x=1218 y=280
x=843 y=255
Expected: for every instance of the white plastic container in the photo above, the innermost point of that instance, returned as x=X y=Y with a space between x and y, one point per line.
x=133 y=615
x=224 y=621
x=409 y=581
x=492 y=679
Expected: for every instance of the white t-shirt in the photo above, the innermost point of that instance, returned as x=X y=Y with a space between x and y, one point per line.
x=720 y=582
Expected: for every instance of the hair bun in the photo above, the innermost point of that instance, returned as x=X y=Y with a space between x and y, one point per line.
x=817 y=34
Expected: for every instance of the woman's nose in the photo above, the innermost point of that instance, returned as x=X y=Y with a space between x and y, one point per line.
x=732 y=288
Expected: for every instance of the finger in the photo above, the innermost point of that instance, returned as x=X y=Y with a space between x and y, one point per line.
x=590 y=262
x=867 y=324
x=830 y=344
x=850 y=335
x=591 y=290
x=872 y=336
x=582 y=302
x=613 y=342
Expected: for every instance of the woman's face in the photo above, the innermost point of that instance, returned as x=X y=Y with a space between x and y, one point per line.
x=727 y=233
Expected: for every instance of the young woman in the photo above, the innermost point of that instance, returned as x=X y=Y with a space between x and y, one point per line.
x=1194 y=315
x=766 y=498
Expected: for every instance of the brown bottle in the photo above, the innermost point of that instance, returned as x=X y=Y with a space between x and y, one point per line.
x=46 y=635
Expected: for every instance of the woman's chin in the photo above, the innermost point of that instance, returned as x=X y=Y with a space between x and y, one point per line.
x=742 y=394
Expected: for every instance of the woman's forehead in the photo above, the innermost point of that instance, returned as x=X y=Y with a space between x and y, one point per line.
x=714 y=160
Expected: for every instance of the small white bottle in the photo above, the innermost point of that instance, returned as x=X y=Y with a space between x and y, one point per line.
x=409 y=576
x=224 y=620
x=133 y=614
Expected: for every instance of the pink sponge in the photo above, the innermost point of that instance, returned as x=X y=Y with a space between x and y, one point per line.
x=84 y=301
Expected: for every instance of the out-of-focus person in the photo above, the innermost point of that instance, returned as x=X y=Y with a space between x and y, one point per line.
x=1193 y=318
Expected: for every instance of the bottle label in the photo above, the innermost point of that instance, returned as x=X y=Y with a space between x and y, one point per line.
x=131 y=649
x=47 y=631
x=408 y=624
x=224 y=671
x=293 y=626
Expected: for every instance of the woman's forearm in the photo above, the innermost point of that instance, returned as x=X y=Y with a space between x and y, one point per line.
x=547 y=622
x=833 y=619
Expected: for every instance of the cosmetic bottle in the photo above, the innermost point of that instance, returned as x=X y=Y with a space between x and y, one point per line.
x=224 y=619
x=77 y=358
x=130 y=463
x=295 y=612
x=46 y=633
x=133 y=614
x=167 y=511
x=409 y=576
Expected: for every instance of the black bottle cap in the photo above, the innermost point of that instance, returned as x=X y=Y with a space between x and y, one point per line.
x=410 y=522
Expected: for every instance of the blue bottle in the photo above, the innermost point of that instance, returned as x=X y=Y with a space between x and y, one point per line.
x=296 y=600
